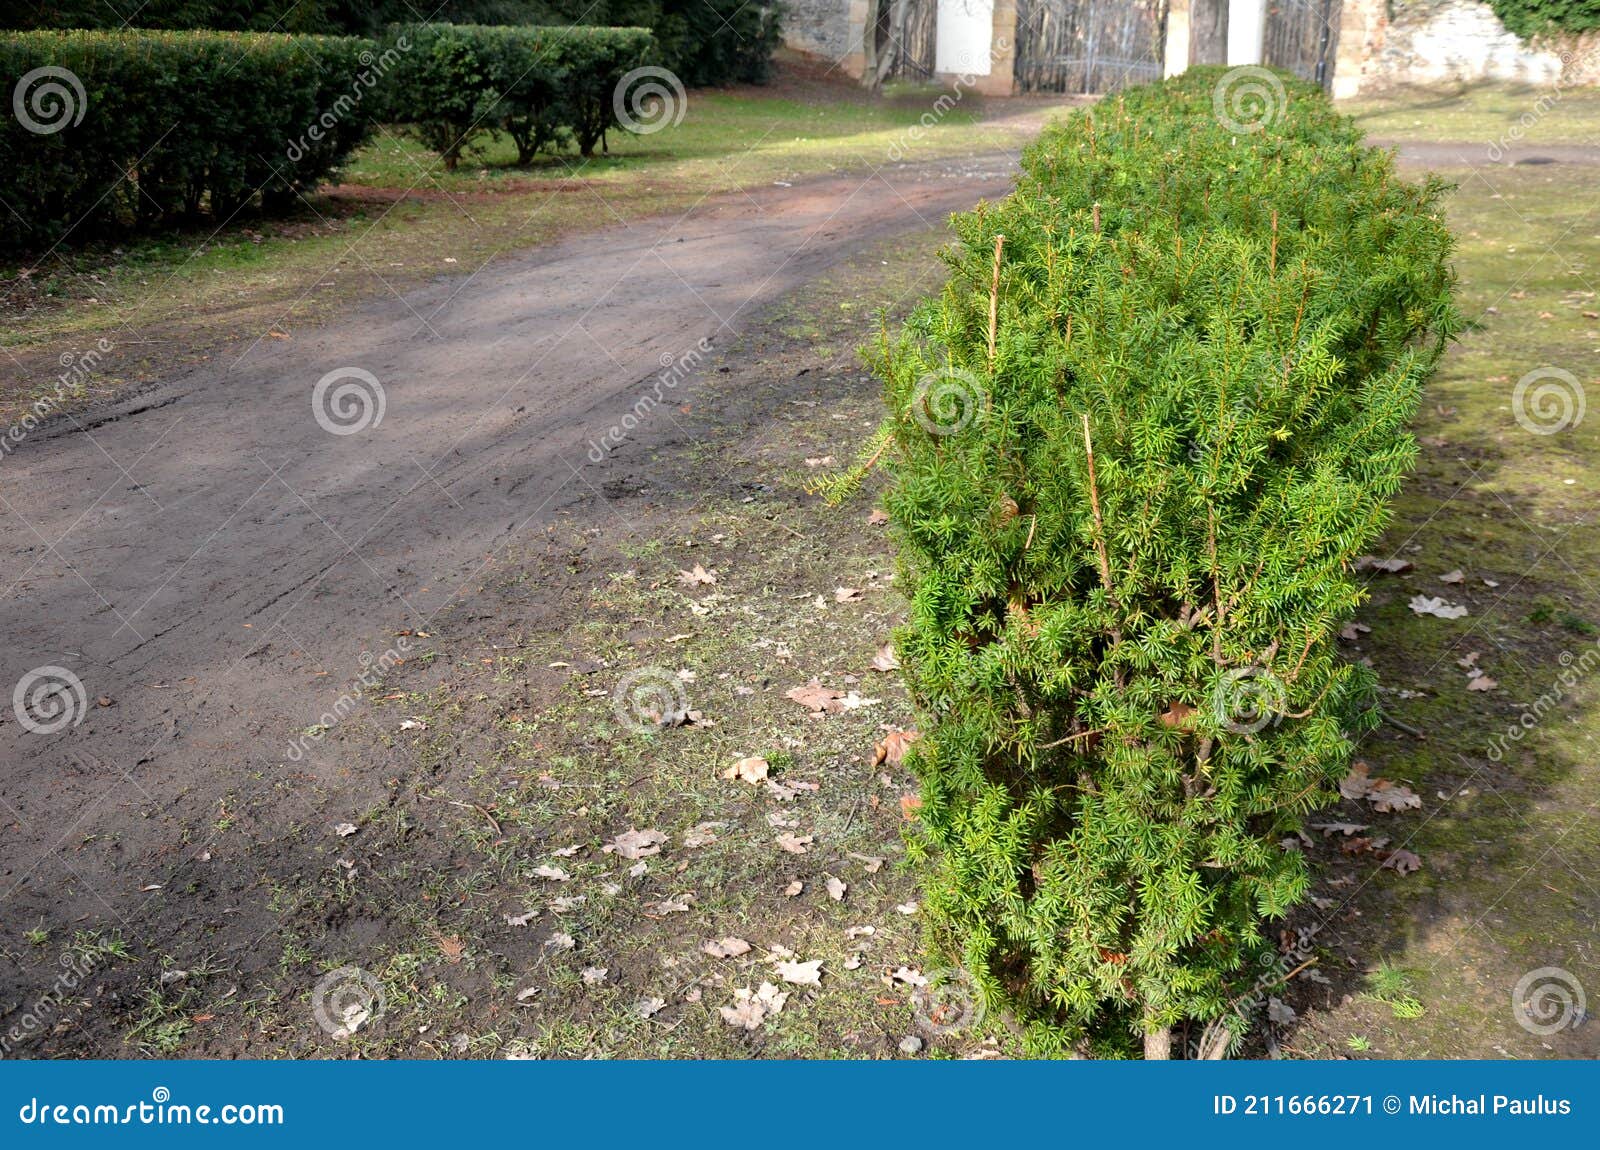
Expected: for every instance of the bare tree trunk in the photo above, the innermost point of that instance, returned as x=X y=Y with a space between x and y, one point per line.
x=1158 y=1045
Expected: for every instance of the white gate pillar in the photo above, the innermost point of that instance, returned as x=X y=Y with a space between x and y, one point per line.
x=1247 y=26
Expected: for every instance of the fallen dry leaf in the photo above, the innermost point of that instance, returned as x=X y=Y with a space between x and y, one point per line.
x=896 y=741
x=846 y=594
x=1352 y=631
x=649 y=1007
x=878 y=517
x=1387 y=566
x=726 y=948
x=814 y=696
x=1402 y=862
x=801 y=973
x=1437 y=607
x=796 y=844
x=1455 y=576
x=909 y=806
x=702 y=834
x=1387 y=798
x=697 y=576
x=872 y=862
x=836 y=889
x=1483 y=683
x=561 y=941
x=752 y=770
x=751 y=1008
x=886 y=660
x=794 y=888
x=668 y=906
x=594 y=975
x=551 y=873
x=636 y=844
x=521 y=919
x=451 y=947
x=1177 y=715
x=1356 y=784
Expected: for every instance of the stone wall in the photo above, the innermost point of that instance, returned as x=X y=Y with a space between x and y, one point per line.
x=1441 y=42
x=821 y=27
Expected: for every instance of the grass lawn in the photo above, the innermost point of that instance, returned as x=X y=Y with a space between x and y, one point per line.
x=1487 y=114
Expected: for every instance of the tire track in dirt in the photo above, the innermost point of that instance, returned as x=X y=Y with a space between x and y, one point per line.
x=214 y=563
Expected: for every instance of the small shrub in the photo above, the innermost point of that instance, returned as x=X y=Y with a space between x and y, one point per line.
x=538 y=85
x=1137 y=444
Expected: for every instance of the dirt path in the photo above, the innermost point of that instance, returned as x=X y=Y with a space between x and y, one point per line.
x=214 y=565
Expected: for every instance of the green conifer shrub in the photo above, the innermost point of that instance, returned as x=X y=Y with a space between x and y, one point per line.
x=1158 y=409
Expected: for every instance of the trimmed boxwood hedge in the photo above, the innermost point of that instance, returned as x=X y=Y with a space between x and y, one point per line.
x=1136 y=444
x=539 y=85
x=146 y=127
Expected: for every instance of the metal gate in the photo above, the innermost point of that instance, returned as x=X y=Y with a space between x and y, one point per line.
x=1303 y=38
x=1088 y=46
x=906 y=37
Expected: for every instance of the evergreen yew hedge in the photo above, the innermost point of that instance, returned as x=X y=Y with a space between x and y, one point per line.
x=172 y=124
x=1137 y=444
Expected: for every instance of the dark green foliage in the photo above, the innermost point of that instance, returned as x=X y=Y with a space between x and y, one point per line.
x=176 y=124
x=701 y=41
x=538 y=84
x=1547 y=17
x=1127 y=531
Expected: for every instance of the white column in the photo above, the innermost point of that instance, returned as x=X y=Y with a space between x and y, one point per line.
x=1247 y=25
x=1177 y=50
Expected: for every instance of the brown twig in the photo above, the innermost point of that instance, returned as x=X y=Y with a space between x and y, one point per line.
x=1094 y=506
x=994 y=300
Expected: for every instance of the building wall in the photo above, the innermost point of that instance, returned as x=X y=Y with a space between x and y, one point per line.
x=821 y=27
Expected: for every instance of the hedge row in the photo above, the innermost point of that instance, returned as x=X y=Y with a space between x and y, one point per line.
x=129 y=128
x=1139 y=441
x=701 y=41
x=540 y=86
